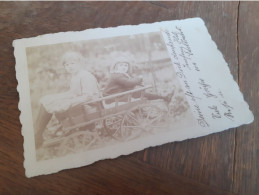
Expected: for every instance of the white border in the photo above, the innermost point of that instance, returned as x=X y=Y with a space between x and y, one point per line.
x=34 y=168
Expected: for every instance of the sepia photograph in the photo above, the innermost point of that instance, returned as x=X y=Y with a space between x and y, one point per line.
x=141 y=97
x=96 y=93
x=101 y=93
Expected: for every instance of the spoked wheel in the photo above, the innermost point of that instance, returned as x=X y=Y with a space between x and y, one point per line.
x=171 y=111
x=112 y=125
x=177 y=110
x=78 y=141
x=144 y=119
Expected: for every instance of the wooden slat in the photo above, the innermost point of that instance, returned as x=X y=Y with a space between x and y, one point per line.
x=246 y=174
x=110 y=177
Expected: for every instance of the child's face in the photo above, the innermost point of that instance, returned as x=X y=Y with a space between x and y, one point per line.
x=72 y=66
x=122 y=67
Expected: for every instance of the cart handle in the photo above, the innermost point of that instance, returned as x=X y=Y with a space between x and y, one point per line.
x=117 y=95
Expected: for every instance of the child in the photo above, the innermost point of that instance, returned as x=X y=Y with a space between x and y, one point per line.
x=121 y=81
x=83 y=87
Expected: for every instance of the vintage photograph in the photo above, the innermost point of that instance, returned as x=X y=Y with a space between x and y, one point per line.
x=95 y=93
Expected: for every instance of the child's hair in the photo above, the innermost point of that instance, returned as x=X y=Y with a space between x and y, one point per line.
x=116 y=66
x=71 y=56
x=119 y=57
x=113 y=68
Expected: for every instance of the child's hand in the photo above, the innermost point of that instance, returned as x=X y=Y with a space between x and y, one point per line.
x=140 y=80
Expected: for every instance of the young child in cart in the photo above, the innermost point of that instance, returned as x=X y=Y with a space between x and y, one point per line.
x=83 y=87
x=121 y=80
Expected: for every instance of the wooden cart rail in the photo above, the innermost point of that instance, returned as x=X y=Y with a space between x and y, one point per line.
x=114 y=96
x=96 y=110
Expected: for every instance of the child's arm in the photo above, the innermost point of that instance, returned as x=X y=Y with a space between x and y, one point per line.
x=127 y=82
x=89 y=89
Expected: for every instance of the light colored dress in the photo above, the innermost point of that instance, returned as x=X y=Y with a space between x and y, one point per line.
x=83 y=87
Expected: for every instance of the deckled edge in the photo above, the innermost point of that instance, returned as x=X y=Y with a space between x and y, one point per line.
x=21 y=116
x=100 y=28
x=112 y=156
x=21 y=98
x=229 y=75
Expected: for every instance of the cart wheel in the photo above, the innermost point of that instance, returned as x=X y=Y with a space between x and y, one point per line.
x=139 y=121
x=177 y=110
x=112 y=125
x=171 y=111
x=78 y=141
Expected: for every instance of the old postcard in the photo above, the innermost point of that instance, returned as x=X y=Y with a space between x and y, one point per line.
x=102 y=93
